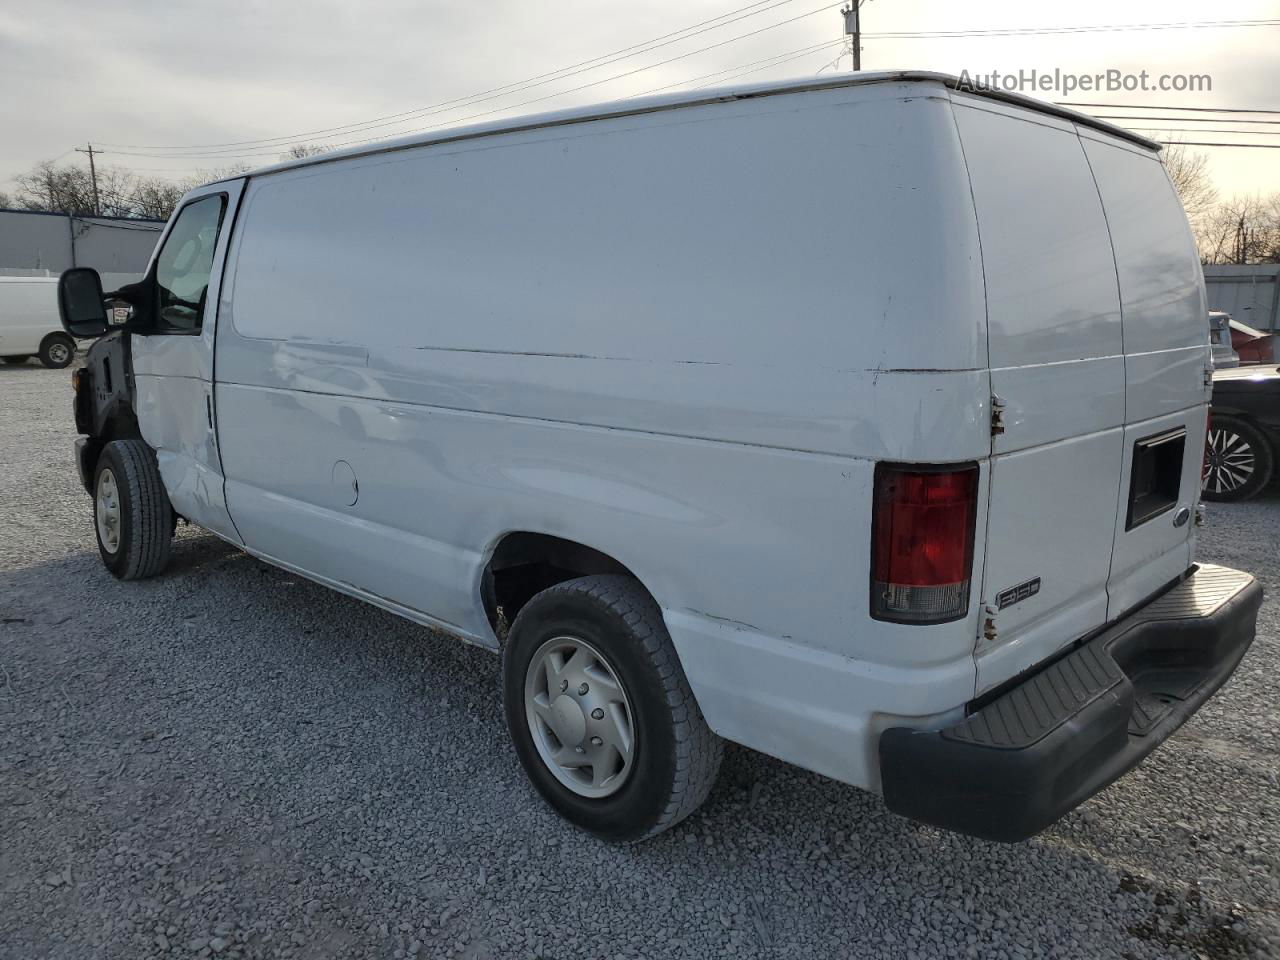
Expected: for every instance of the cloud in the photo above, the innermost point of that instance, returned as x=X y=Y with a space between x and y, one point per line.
x=181 y=72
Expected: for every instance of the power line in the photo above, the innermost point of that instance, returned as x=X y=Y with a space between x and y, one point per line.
x=1246 y=133
x=774 y=61
x=823 y=47
x=789 y=56
x=1206 y=143
x=1100 y=28
x=1160 y=106
x=528 y=83
x=14 y=178
x=225 y=155
x=741 y=70
x=625 y=53
x=1135 y=116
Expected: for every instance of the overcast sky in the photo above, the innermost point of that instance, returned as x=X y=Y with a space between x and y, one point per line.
x=180 y=73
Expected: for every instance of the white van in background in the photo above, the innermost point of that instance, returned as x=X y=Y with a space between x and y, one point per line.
x=29 y=324
x=857 y=420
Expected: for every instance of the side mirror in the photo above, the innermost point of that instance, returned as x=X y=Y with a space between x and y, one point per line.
x=80 y=303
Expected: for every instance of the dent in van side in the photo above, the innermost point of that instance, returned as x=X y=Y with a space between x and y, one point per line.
x=649 y=402
x=174 y=388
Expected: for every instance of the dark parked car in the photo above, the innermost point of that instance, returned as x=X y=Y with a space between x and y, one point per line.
x=1244 y=432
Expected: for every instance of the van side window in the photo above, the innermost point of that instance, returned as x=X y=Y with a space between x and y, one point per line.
x=185 y=263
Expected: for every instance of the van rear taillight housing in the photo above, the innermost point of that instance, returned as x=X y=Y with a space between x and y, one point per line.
x=922 y=542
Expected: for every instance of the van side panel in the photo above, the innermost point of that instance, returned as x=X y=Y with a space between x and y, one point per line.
x=1057 y=364
x=677 y=338
x=1166 y=355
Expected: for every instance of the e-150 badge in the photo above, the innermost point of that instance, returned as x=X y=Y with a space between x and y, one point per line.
x=1007 y=598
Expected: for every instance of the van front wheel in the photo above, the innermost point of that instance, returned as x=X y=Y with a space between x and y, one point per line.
x=601 y=713
x=132 y=515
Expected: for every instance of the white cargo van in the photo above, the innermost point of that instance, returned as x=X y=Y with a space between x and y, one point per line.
x=859 y=421
x=29 y=325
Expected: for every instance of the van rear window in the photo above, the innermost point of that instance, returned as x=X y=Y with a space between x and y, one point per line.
x=1156 y=478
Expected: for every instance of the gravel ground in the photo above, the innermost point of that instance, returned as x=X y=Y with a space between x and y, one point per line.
x=229 y=761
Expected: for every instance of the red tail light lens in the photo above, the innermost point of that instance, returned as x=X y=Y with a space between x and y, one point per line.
x=922 y=542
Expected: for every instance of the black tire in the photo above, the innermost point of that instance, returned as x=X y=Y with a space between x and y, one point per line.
x=16 y=360
x=144 y=525
x=57 y=350
x=1239 y=460
x=675 y=757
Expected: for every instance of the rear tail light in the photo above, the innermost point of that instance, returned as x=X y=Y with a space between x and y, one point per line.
x=922 y=542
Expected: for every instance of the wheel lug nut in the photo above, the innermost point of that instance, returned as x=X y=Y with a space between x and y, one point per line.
x=564 y=685
x=582 y=689
x=579 y=750
x=596 y=741
x=597 y=714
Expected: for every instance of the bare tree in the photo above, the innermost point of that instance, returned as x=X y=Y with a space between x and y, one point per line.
x=217 y=173
x=51 y=188
x=301 y=150
x=121 y=193
x=156 y=198
x=1271 y=251
x=1189 y=172
x=70 y=189
x=5 y=201
x=1244 y=229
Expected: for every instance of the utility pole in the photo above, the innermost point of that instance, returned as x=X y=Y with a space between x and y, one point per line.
x=93 y=174
x=852 y=27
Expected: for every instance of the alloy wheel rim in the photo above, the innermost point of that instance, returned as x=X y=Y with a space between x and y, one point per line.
x=107 y=511
x=580 y=717
x=1230 y=461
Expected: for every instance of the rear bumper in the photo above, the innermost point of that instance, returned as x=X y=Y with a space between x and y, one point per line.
x=1042 y=747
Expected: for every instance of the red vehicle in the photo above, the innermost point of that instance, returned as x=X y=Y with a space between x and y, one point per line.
x=1252 y=345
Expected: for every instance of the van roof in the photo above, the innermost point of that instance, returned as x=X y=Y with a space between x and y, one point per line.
x=688 y=98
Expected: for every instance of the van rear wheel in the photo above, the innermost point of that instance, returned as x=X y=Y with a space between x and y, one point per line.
x=1238 y=460
x=601 y=713
x=132 y=516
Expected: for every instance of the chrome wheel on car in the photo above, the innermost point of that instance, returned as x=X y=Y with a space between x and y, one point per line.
x=1229 y=461
x=59 y=353
x=580 y=717
x=106 y=511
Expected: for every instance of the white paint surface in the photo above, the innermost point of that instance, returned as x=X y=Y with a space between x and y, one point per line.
x=685 y=338
x=28 y=314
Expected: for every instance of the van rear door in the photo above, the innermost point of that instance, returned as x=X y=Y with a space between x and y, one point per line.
x=1168 y=369
x=1056 y=352
x=1098 y=354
